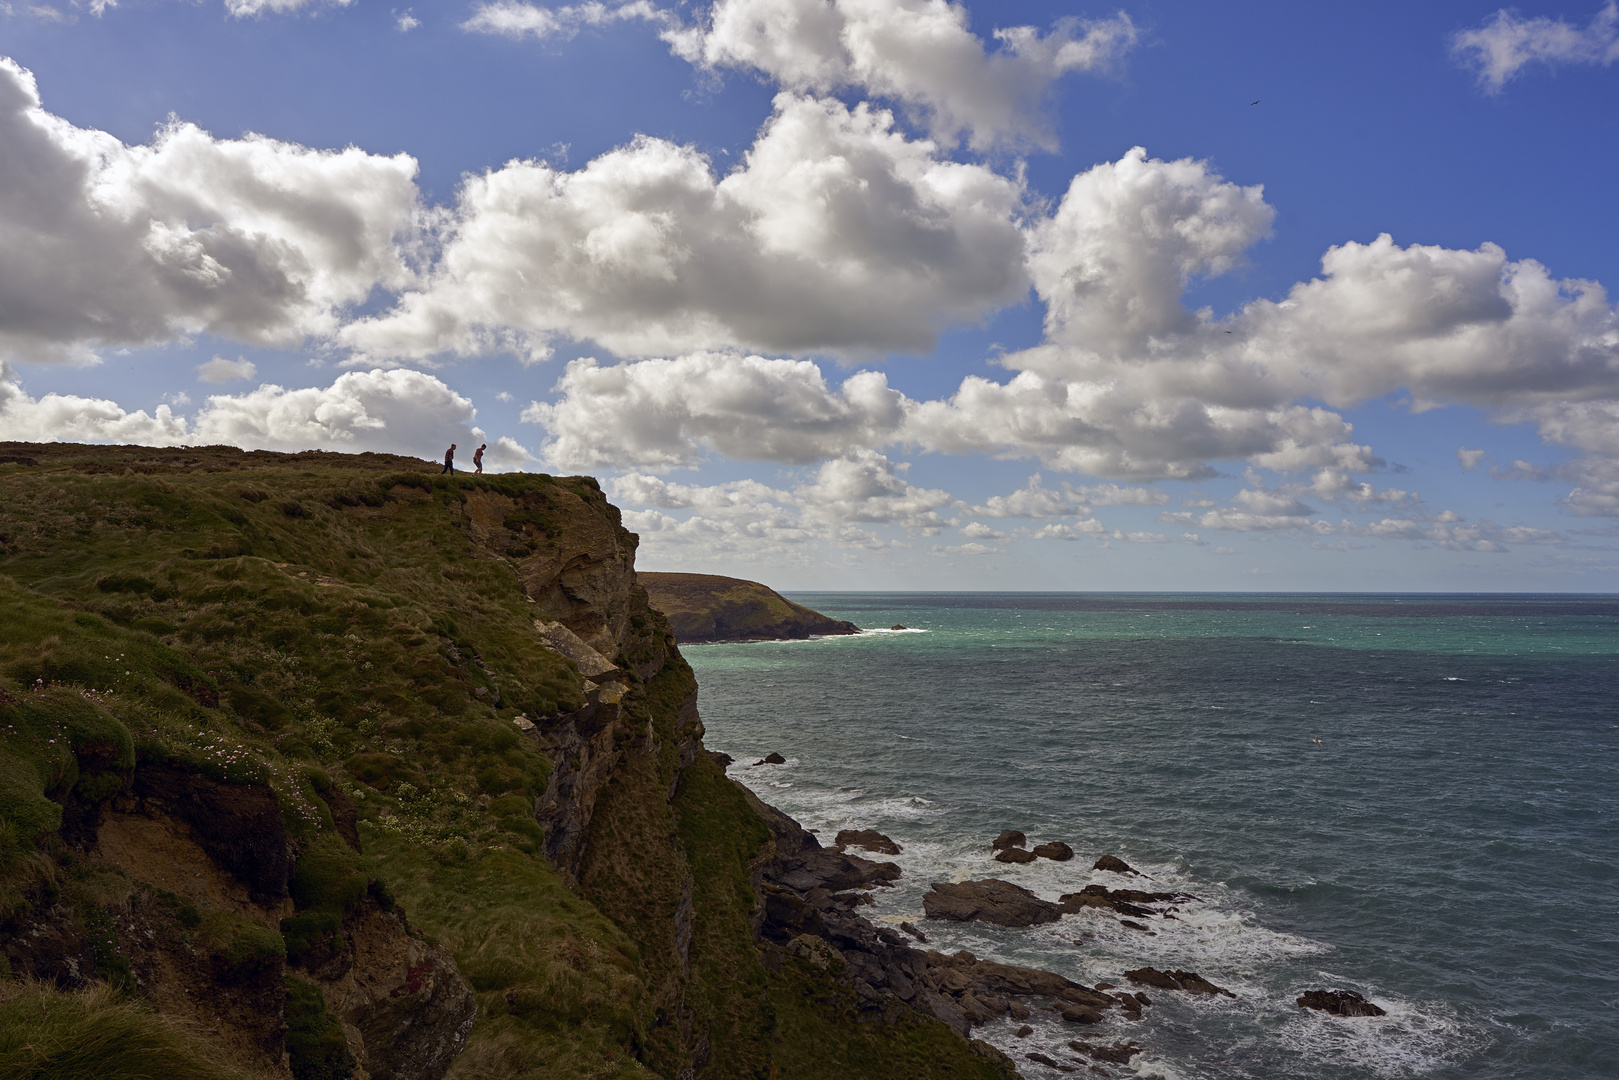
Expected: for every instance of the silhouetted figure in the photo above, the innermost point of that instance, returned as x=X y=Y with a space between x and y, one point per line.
x=449 y=461
x=477 y=458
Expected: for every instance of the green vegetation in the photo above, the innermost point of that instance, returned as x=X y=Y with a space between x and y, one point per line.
x=707 y=607
x=99 y=1034
x=352 y=632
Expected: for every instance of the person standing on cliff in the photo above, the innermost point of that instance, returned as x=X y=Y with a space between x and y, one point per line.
x=477 y=459
x=449 y=461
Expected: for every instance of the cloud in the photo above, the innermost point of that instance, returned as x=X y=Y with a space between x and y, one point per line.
x=405 y=21
x=102 y=244
x=243 y=9
x=517 y=21
x=69 y=418
x=665 y=413
x=865 y=487
x=1469 y=458
x=836 y=234
x=398 y=411
x=1506 y=43
x=918 y=52
x=219 y=370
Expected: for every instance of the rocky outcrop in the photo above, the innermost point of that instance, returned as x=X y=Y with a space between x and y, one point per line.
x=868 y=840
x=1056 y=850
x=1339 y=1003
x=1123 y=901
x=1000 y=903
x=1113 y=864
x=707 y=608
x=1014 y=855
x=1189 y=981
x=1009 y=838
x=804 y=914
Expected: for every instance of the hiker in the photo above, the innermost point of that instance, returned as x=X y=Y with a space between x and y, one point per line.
x=449 y=461
x=477 y=458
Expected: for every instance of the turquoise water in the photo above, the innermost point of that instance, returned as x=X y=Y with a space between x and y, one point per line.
x=1448 y=847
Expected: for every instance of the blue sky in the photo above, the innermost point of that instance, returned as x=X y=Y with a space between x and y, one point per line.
x=813 y=287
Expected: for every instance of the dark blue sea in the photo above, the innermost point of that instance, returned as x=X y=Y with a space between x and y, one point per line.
x=1413 y=797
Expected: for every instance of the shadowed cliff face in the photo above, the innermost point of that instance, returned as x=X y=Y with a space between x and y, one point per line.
x=224 y=674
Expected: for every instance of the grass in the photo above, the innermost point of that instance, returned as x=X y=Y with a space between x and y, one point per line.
x=99 y=1034
x=352 y=631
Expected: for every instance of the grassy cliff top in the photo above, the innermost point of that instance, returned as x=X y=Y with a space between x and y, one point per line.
x=709 y=607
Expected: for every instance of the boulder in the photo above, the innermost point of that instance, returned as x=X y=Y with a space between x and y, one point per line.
x=1123 y=901
x=1114 y=865
x=1056 y=850
x=1080 y=1014
x=771 y=758
x=869 y=839
x=1009 y=838
x=723 y=760
x=1000 y=903
x=897 y=626
x=1117 y=1054
x=1014 y=855
x=1339 y=1003
x=1190 y=981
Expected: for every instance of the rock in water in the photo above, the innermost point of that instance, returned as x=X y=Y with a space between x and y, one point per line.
x=1009 y=838
x=721 y=759
x=870 y=839
x=771 y=759
x=914 y=932
x=1113 y=864
x=897 y=626
x=1056 y=850
x=993 y=901
x=1041 y=1059
x=1190 y=981
x=1339 y=1003
x=1014 y=855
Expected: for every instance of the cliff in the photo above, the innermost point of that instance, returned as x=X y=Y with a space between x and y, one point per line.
x=328 y=766
x=707 y=607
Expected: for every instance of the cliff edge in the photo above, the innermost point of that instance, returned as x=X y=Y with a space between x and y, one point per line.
x=708 y=608
x=329 y=767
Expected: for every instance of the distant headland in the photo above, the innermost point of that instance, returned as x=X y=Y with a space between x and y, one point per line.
x=708 y=608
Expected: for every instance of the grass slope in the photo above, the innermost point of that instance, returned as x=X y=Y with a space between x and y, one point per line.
x=707 y=607
x=327 y=624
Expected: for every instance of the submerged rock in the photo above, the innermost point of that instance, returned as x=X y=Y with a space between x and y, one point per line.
x=1114 y=864
x=869 y=839
x=1009 y=838
x=1041 y=1059
x=1339 y=1003
x=1056 y=850
x=1189 y=981
x=1000 y=903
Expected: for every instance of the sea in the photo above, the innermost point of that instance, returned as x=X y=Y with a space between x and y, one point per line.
x=1414 y=797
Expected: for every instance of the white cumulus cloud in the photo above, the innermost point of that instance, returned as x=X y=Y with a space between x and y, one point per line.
x=263 y=241
x=837 y=233
x=220 y=370
x=918 y=52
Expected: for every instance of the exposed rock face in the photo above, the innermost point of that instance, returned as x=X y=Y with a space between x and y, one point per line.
x=1339 y=1003
x=868 y=839
x=1189 y=981
x=1123 y=901
x=992 y=900
x=707 y=607
x=960 y=990
x=1009 y=838
x=188 y=843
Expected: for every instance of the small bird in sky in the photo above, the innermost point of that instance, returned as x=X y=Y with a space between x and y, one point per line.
x=1229 y=331
x=1253 y=103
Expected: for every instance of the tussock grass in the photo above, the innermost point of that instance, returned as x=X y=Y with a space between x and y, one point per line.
x=99 y=1034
